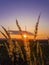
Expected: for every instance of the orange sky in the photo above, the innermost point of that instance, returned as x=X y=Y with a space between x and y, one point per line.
x=39 y=36
x=26 y=12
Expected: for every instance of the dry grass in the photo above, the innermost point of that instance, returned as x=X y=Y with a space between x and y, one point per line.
x=38 y=47
x=15 y=47
x=9 y=40
x=36 y=27
x=26 y=45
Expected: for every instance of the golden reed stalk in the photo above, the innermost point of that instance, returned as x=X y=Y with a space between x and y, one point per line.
x=26 y=45
x=41 y=55
x=35 y=35
x=36 y=27
x=18 y=50
x=11 y=44
x=9 y=40
x=37 y=44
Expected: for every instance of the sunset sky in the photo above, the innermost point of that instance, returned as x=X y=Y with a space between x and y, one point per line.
x=26 y=12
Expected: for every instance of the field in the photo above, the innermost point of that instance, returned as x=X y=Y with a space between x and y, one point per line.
x=25 y=51
x=18 y=60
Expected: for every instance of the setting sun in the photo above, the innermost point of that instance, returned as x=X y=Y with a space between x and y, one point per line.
x=25 y=35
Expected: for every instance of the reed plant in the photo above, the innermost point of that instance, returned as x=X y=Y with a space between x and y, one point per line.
x=26 y=45
x=9 y=40
x=15 y=48
x=38 y=47
x=12 y=47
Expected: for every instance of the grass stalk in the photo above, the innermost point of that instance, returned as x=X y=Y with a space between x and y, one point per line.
x=10 y=49
x=26 y=45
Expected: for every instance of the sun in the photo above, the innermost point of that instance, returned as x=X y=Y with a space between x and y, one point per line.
x=25 y=35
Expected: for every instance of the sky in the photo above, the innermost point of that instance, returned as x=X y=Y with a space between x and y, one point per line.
x=26 y=12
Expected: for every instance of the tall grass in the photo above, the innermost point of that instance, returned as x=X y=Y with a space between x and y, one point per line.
x=14 y=47
x=38 y=47
x=9 y=40
x=26 y=45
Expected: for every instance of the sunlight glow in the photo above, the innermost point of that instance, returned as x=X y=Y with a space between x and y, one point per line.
x=25 y=35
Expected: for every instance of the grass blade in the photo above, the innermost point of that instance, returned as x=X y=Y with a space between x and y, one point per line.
x=6 y=32
x=4 y=35
x=36 y=26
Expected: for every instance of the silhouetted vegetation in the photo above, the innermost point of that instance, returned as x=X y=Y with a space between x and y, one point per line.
x=24 y=51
